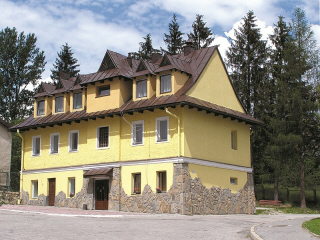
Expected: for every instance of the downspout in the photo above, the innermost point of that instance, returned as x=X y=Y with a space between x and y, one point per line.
x=179 y=137
x=22 y=164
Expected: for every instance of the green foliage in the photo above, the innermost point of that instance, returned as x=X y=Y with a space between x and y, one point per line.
x=21 y=66
x=313 y=226
x=173 y=40
x=145 y=50
x=65 y=62
x=201 y=36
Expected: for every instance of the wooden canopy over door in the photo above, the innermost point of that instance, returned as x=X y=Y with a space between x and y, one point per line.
x=52 y=191
x=101 y=194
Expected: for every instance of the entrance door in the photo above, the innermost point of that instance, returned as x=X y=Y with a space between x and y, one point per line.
x=102 y=192
x=52 y=191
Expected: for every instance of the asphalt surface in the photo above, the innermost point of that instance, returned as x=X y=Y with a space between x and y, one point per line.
x=33 y=222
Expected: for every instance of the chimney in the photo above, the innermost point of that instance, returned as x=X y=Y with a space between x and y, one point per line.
x=155 y=56
x=64 y=75
x=188 y=47
x=129 y=60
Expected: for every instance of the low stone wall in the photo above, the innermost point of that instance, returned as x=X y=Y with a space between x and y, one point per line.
x=186 y=196
x=9 y=197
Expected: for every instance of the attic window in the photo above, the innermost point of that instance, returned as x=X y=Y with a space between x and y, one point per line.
x=40 y=108
x=104 y=91
x=59 y=104
x=141 y=88
x=165 y=83
x=77 y=100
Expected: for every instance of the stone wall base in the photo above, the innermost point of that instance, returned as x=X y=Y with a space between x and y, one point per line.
x=9 y=197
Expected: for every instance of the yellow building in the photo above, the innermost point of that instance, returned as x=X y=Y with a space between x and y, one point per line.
x=167 y=135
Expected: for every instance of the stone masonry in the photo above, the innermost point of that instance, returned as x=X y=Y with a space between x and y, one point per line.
x=186 y=196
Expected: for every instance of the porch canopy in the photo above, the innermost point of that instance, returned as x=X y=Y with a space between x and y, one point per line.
x=97 y=172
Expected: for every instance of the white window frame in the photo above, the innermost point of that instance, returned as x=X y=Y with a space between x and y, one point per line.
x=33 y=146
x=51 y=142
x=33 y=189
x=98 y=136
x=70 y=140
x=70 y=186
x=158 y=127
x=133 y=143
x=146 y=82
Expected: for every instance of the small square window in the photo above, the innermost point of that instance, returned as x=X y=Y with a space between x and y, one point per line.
x=36 y=145
x=136 y=183
x=73 y=141
x=104 y=90
x=141 y=88
x=40 y=108
x=165 y=83
x=35 y=189
x=162 y=129
x=102 y=137
x=59 y=104
x=72 y=187
x=234 y=140
x=162 y=181
x=137 y=133
x=54 y=143
x=233 y=181
x=77 y=100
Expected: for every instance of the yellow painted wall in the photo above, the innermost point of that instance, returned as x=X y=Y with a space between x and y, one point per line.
x=148 y=175
x=62 y=182
x=211 y=176
x=208 y=137
x=214 y=86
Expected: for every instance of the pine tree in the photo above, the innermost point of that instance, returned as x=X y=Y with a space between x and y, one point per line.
x=174 y=40
x=65 y=62
x=145 y=49
x=21 y=65
x=201 y=36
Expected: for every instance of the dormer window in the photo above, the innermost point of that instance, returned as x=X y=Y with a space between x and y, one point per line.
x=104 y=91
x=77 y=100
x=165 y=83
x=142 y=88
x=59 y=104
x=40 y=108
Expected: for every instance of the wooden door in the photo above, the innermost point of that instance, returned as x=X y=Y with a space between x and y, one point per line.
x=101 y=194
x=52 y=191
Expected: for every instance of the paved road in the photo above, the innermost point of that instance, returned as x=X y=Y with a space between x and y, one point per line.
x=62 y=223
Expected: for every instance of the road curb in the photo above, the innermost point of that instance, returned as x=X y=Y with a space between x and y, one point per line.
x=253 y=234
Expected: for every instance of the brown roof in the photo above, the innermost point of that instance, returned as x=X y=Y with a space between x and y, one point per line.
x=4 y=123
x=193 y=64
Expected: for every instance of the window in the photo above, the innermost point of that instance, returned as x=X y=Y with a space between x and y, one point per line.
x=137 y=183
x=40 y=108
x=59 y=104
x=165 y=83
x=162 y=181
x=104 y=90
x=36 y=143
x=233 y=181
x=142 y=88
x=73 y=141
x=102 y=137
x=72 y=190
x=77 y=100
x=234 y=140
x=54 y=143
x=34 y=189
x=137 y=133
x=162 y=125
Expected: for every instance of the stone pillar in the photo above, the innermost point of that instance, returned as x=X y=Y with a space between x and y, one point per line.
x=115 y=190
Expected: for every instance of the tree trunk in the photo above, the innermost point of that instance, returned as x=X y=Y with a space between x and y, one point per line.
x=275 y=187
x=302 y=187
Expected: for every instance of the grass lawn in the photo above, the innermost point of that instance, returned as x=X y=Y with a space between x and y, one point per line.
x=313 y=226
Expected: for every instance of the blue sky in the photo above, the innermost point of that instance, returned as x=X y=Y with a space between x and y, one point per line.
x=92 y=26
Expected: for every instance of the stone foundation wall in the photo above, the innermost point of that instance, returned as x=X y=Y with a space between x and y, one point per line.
x=186 y=196
x=85 y=196
x=9 y=197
